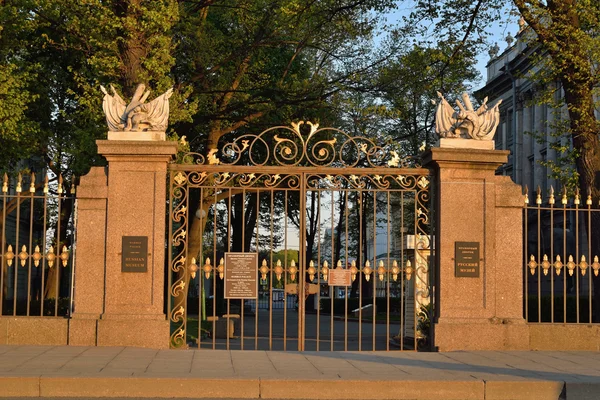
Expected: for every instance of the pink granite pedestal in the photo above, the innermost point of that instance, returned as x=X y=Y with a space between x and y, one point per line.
x=475 y=205
x=132 y=303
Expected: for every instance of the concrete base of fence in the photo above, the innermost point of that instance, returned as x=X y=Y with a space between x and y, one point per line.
x=482 y=335
x=134 y=332
x=564 y=337
x=34 y=330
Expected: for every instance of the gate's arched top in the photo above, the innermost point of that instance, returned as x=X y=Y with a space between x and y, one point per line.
x=303 y=143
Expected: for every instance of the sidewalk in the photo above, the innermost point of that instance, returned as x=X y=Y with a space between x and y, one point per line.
x=54 y=371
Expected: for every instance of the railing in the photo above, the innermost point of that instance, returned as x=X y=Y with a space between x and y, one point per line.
x=561 y=250
x=36 y=245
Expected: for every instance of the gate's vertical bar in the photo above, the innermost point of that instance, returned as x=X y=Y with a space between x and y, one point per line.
x=588 y=202
x=402 y=264
x=538 y=202
x=214 y=269
x=285 y=269
x=387 y=275
x=257 y=252
x=32 y=195
x=375 y=266
x=3 y=242
x=526 y=252
x=201 y=283
x=577 y=256
x=332 y=288
x=360 y=266
x=44 y=244
x=272 y=207
x=346 y=258
x=229 y=221
x=318 y=266
x=564 y=233
x=551 y=201
x=17 y=249
x=302 y=262
x=58 y=229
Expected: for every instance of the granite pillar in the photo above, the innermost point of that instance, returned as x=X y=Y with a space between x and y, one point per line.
x=92 y=195
x=132 y=300
x=483 y=312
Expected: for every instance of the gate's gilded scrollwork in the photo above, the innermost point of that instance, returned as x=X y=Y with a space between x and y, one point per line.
x=324 y=160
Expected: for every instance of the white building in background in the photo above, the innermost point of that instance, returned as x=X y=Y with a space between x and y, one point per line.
x=520 y=116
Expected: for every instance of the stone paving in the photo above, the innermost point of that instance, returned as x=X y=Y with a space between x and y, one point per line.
x=69 y=371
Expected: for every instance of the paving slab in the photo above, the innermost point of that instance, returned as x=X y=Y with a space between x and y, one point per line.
x=123 y=372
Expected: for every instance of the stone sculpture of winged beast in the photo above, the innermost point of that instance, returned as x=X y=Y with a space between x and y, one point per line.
x=137 y=115
x=467 y=122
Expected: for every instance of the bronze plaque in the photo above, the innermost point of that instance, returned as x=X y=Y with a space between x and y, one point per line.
x=134 y=255
x=466 y=259
x=241 y=275
x=340 y=277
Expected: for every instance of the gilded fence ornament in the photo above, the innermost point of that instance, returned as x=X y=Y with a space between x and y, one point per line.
x=325 y=270
x=408 y=270
x=23 y=255
x=64 y=256
x=138 y=115
x=207 y=268
x=571 y=265
x=51 y=257
x=193 y=268
x=303 y=143
x=5 y=184
x=395 y=270
x=221 y=268
x=596 y=266
x=466 y=123
x=10 y=255
x=37 y=256
x=353 y=270
x=367 y=270
x=532 y=264
x=583 y=265
x=558 y=265
x=381 y=270
x=278 y=270
x=311 y=270
x=293 y=270
x=264 y=270
x=545 y=265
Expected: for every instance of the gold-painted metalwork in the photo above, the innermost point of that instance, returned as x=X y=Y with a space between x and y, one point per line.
x=409 y=270
x=193 y=268
x=46 y=187
x=19 y=188
x=532 y=264
x=588 y=201
x=278 y=270
x=23 y=255
x=583 y=265
x=264 y=270
x=180 y=178
x=325 y=270
x=577 y=200
x=293 y=270
x=64 y=256
x=221 y=268
x=551 y=199
x=311 y=270
x=274 y=171
x=367 y=271
x=538 y=196
x=207 y=268
x=353 y=270
x=545 y=264
x=381 y=270
x=37 y=256
x=51 y=257
x=10 y=255
x=32 y=183
x=596 y=266
x=564 y=200
x=395 y=270
x=5 y=184
x=558 y=265
x=526 y=199
x=60 y=189
x=571 y=265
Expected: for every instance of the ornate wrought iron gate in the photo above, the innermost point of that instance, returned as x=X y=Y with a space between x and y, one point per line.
x=307 y=211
